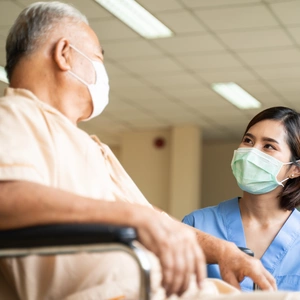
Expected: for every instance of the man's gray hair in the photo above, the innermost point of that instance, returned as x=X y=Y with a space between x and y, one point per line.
x=33 y=26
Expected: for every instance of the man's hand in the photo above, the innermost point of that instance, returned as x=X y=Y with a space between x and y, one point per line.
x=235 y=265
x=176 y=247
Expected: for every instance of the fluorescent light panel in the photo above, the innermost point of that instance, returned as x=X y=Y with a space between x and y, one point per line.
x=137 y=18
x=3 y=76
x=236 y=95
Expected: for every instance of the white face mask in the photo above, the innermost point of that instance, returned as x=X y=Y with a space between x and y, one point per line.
x=99 y=90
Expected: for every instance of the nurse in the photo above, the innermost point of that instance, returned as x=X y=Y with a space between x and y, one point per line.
x=266 y=166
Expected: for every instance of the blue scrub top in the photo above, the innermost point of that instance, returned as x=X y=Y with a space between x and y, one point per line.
x=281 y=259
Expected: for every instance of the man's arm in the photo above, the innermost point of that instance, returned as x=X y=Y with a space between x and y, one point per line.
x=24 y=203
x=234 y=264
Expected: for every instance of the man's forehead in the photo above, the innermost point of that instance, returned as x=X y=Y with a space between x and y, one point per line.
x=88 y=35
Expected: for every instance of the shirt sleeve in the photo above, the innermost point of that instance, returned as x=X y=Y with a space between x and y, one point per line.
x=189 y=220
x=24 y=142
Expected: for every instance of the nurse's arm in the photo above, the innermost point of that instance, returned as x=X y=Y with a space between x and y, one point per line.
x=234 y=264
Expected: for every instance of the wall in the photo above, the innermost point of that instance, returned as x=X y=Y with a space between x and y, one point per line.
x=150 y=168
x=3 y=86
x=147 y=165
x=218 y=182
x=117 y=151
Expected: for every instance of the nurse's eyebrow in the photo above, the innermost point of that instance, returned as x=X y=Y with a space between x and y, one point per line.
x=265 y=139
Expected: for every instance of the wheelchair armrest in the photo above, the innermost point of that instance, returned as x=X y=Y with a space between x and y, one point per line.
x=66 y=234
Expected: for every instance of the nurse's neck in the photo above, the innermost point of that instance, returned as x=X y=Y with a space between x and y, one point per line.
x=264 y=209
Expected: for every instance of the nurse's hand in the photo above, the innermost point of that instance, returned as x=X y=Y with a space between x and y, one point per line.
x=235 y=265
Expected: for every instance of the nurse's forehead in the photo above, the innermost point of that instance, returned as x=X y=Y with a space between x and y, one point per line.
x=269 y=129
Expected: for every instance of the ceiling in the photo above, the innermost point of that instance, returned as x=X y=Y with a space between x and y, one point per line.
x=162 y=83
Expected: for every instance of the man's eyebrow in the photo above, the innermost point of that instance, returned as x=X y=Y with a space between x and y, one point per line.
x=265 y=139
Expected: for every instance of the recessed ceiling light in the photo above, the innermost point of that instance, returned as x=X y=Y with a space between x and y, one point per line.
x=3 y=76
x=137 y=18
x=236 y=95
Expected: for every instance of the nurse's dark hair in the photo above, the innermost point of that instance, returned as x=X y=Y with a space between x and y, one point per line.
x=290 y=195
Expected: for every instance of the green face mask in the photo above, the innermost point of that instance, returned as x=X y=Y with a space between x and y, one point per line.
x=255 y=171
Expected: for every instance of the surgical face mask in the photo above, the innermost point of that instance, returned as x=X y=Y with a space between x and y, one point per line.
x=99 y=90
x=255 y=171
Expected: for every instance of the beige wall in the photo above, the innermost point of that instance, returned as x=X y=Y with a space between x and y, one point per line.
x=218 y=182
x=185 y=170
x=147 y=165
x=150 y=168
x=117 y=151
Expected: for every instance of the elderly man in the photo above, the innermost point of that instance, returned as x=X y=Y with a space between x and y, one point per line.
x=53 y=172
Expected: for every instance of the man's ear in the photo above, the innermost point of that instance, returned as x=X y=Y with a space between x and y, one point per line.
x=62 y=55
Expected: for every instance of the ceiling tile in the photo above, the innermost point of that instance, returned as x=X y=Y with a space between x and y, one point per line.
x=116 y=82
x=189 y=44
x=113 y=69
x=188 y=23
x=285 y=86
x=178 y=116
x=151 y=65
x=226 y=75
x=2 y=58
x=118 y=106
x=295 y=32
x=129 y=49
x=271 y=57
x=137 y=93
x=293 y=99
x=268 y=99
x=136 y=115
x=237 y=18
x=209 y=61
x=289 y=72
x=117 y=30
x=4 y=31
x=256 y=39
x=6 y=18
x=287 y=11
x=215 y=3
x=177 y=79
x=91 y=9
x=152 y=89
x=163 y=105
x=192 y=92
x=255 y=86
x=229 y=117
x=208 y=103
x=158 y=5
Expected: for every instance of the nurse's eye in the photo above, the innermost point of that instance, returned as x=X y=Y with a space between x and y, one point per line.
x=270 y=147
x=247 y=140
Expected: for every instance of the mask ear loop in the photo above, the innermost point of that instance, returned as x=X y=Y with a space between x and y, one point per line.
x=81 y=80
x=76 y=76
x=281 y=182
x=296 y=162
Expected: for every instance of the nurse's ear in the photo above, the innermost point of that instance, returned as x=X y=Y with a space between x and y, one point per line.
x=295 y=171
